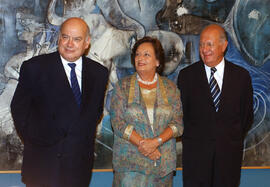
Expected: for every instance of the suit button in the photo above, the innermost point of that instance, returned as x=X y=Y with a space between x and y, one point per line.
x=65 y=135
x=59 y=155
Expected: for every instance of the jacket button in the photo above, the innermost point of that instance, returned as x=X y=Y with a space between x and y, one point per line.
x=59 y=155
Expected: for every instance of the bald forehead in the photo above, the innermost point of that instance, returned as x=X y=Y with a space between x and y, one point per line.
x=76 y=22
x=216 y=30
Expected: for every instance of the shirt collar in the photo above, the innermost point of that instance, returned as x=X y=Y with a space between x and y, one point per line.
x=219 y=73
x=77 y=62
x=219 y=67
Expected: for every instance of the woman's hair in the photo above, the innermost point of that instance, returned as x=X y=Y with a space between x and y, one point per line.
x=159 y=52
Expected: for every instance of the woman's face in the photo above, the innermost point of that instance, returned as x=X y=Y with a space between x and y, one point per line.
x=145 y=59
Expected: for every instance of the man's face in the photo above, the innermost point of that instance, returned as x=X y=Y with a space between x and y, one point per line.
x=212 y=47
x=73 y=40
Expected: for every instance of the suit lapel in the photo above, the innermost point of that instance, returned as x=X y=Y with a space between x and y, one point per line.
x=88 y=82
x=59 y=77
x=205 y=87
x=227 y=81
x=203 y=84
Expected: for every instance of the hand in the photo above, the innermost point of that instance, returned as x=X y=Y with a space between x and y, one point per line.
x=155 y=155
x=148 y=146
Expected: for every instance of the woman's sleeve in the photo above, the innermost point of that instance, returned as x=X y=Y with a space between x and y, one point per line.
x=117 y=113
x=176 y=124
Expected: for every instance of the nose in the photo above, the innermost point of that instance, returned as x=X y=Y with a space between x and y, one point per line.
x=204 y=48
x=70 y=42
x=140 y=57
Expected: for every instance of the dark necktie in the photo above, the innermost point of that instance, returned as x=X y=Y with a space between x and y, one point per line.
x=215 y=91
x=74 y=84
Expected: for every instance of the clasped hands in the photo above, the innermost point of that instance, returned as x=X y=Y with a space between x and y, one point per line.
x=148 y=147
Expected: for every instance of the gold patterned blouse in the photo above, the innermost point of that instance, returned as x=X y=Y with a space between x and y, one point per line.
x=149 y=97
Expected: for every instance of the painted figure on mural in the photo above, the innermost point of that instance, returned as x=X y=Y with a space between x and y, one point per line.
x=217 y=99
x=146 y=116
x=56 y=108
x=24 y=24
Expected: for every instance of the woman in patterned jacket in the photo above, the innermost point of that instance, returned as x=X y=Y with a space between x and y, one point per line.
x=146 y=116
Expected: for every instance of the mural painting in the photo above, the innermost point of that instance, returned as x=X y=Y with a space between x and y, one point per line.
x=30 y=27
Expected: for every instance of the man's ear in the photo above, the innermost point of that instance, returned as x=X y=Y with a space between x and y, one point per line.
x=225 y=44
x=58 y=38
x=88 y=41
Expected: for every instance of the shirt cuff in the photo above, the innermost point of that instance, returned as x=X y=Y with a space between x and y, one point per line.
x=174 y=129
x=127 y=132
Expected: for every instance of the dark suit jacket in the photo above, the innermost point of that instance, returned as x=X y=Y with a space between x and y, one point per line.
x=209 y=134
x=58 y=136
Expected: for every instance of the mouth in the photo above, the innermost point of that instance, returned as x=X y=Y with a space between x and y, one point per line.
x=141 y=63
x=207 y=55
x=69 y=50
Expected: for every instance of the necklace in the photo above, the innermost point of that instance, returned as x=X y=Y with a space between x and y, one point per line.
x=147 y=82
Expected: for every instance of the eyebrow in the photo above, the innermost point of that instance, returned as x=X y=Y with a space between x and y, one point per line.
x=76 y=37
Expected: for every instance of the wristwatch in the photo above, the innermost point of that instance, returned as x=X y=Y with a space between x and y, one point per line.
x=160 y=142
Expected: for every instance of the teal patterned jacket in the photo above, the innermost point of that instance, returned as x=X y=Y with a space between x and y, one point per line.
x=128 y=108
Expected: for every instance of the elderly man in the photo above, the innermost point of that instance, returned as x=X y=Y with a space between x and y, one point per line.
x=56 y=107
x=218 y=111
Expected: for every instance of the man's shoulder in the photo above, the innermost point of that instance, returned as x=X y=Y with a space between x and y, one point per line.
x=95 y=65
x=38 y=63
x=236 y=68
x=46 y=56
x=42 y=58
x=191 y=69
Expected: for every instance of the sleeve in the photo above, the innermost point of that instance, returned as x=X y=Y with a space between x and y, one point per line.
x=176 y=124
x=183 y=92
x=21 y=101
x=117 y=112
x=128 y=132
x=247 y=105
x=104 y=84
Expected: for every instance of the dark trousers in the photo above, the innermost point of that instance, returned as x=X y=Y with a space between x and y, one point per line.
x=216 y=180
x=36 y=185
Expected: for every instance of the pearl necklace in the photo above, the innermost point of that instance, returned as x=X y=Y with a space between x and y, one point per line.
x=147 y=82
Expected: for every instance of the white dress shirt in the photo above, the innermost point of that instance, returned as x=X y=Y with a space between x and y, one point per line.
x=218 y=74
x=78 y=70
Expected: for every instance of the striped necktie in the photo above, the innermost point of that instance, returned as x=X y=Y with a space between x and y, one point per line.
x=215 y=91
x=74 y=84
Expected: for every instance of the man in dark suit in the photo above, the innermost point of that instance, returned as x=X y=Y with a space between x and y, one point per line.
x=56 y=108
x=217 y=100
